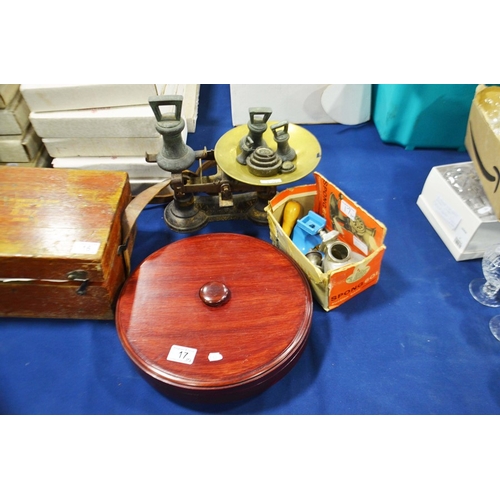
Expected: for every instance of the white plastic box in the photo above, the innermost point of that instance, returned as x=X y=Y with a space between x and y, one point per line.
x=303 y=103
x=466 y=228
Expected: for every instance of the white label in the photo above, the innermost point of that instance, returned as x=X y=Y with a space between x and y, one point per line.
x=180 y=354
x=360 y=244
x=214 y=356
x=461 y=237
x=348 y=210
x=449 y=215
x=85 y=247
x=270 y=181
x=484 y=210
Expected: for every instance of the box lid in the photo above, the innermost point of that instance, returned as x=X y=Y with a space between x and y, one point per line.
x=215 y=317
x=56 y=221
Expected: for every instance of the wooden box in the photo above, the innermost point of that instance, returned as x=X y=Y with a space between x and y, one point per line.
x=60 y=239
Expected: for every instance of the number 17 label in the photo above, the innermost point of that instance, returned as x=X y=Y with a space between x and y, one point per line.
x=180 y=354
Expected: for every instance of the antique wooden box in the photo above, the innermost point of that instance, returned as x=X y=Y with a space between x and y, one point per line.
x=60 y=239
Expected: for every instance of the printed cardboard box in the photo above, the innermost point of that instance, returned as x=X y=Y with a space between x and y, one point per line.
x=356 y=227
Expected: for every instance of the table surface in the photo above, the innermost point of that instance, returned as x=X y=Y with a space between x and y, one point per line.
x=416 y=343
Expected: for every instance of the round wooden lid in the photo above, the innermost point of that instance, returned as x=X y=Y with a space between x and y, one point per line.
x=216 y=317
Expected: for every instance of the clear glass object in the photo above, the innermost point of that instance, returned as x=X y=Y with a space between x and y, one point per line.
x=495 y=326
x=486 y=290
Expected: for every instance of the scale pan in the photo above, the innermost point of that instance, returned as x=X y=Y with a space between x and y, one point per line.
x=301 y=140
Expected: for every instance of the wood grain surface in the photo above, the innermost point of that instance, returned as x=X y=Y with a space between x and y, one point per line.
x=53 y=222
x=243 y=345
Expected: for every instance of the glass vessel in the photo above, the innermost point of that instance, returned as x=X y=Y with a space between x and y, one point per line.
x=495 y=326
x=486 y=290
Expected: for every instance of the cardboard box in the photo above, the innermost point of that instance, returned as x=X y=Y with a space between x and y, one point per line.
x=42 y=159
x=58 y=97
x=482 y=141
x=126 y=121
x=47 y=99
x=102 y=146
x=136 y=166
x=14 y=119
x=20 y=148
x=363 y=233
x=141 y=173
x=303 y=103
x=449 y=194
x=7 y=92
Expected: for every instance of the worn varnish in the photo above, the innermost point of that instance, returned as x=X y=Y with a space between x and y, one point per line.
x=54 y=222
x=236 y=307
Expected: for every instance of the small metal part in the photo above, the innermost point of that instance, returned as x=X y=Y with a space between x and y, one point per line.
x=338 y=254
x=257 y=125
x=80 y=275
x=288 y=167
x=264 y=162
x=281 y=136
x=315 y=257
x=175 y=156
x=247 y=147
x=225 y=195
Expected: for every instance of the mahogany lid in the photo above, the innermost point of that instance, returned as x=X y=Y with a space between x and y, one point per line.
x=215 y=317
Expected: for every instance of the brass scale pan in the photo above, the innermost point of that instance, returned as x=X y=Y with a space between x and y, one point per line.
x=301 y=140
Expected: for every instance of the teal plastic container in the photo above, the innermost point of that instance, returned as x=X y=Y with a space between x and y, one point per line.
x=423 y=116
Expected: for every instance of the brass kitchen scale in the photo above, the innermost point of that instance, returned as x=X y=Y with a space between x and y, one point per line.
x=239 y=176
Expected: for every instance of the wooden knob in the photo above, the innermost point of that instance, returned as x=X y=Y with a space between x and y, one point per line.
x=292 y=213
x=214 y=293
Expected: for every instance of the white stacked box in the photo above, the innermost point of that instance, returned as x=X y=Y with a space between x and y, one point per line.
x=19 y=144
x=105 y=126
x=142 y=174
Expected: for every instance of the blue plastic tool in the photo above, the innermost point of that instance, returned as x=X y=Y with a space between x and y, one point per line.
x=306 y=233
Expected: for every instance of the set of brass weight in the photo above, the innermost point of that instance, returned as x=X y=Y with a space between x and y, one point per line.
x=255 y=153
